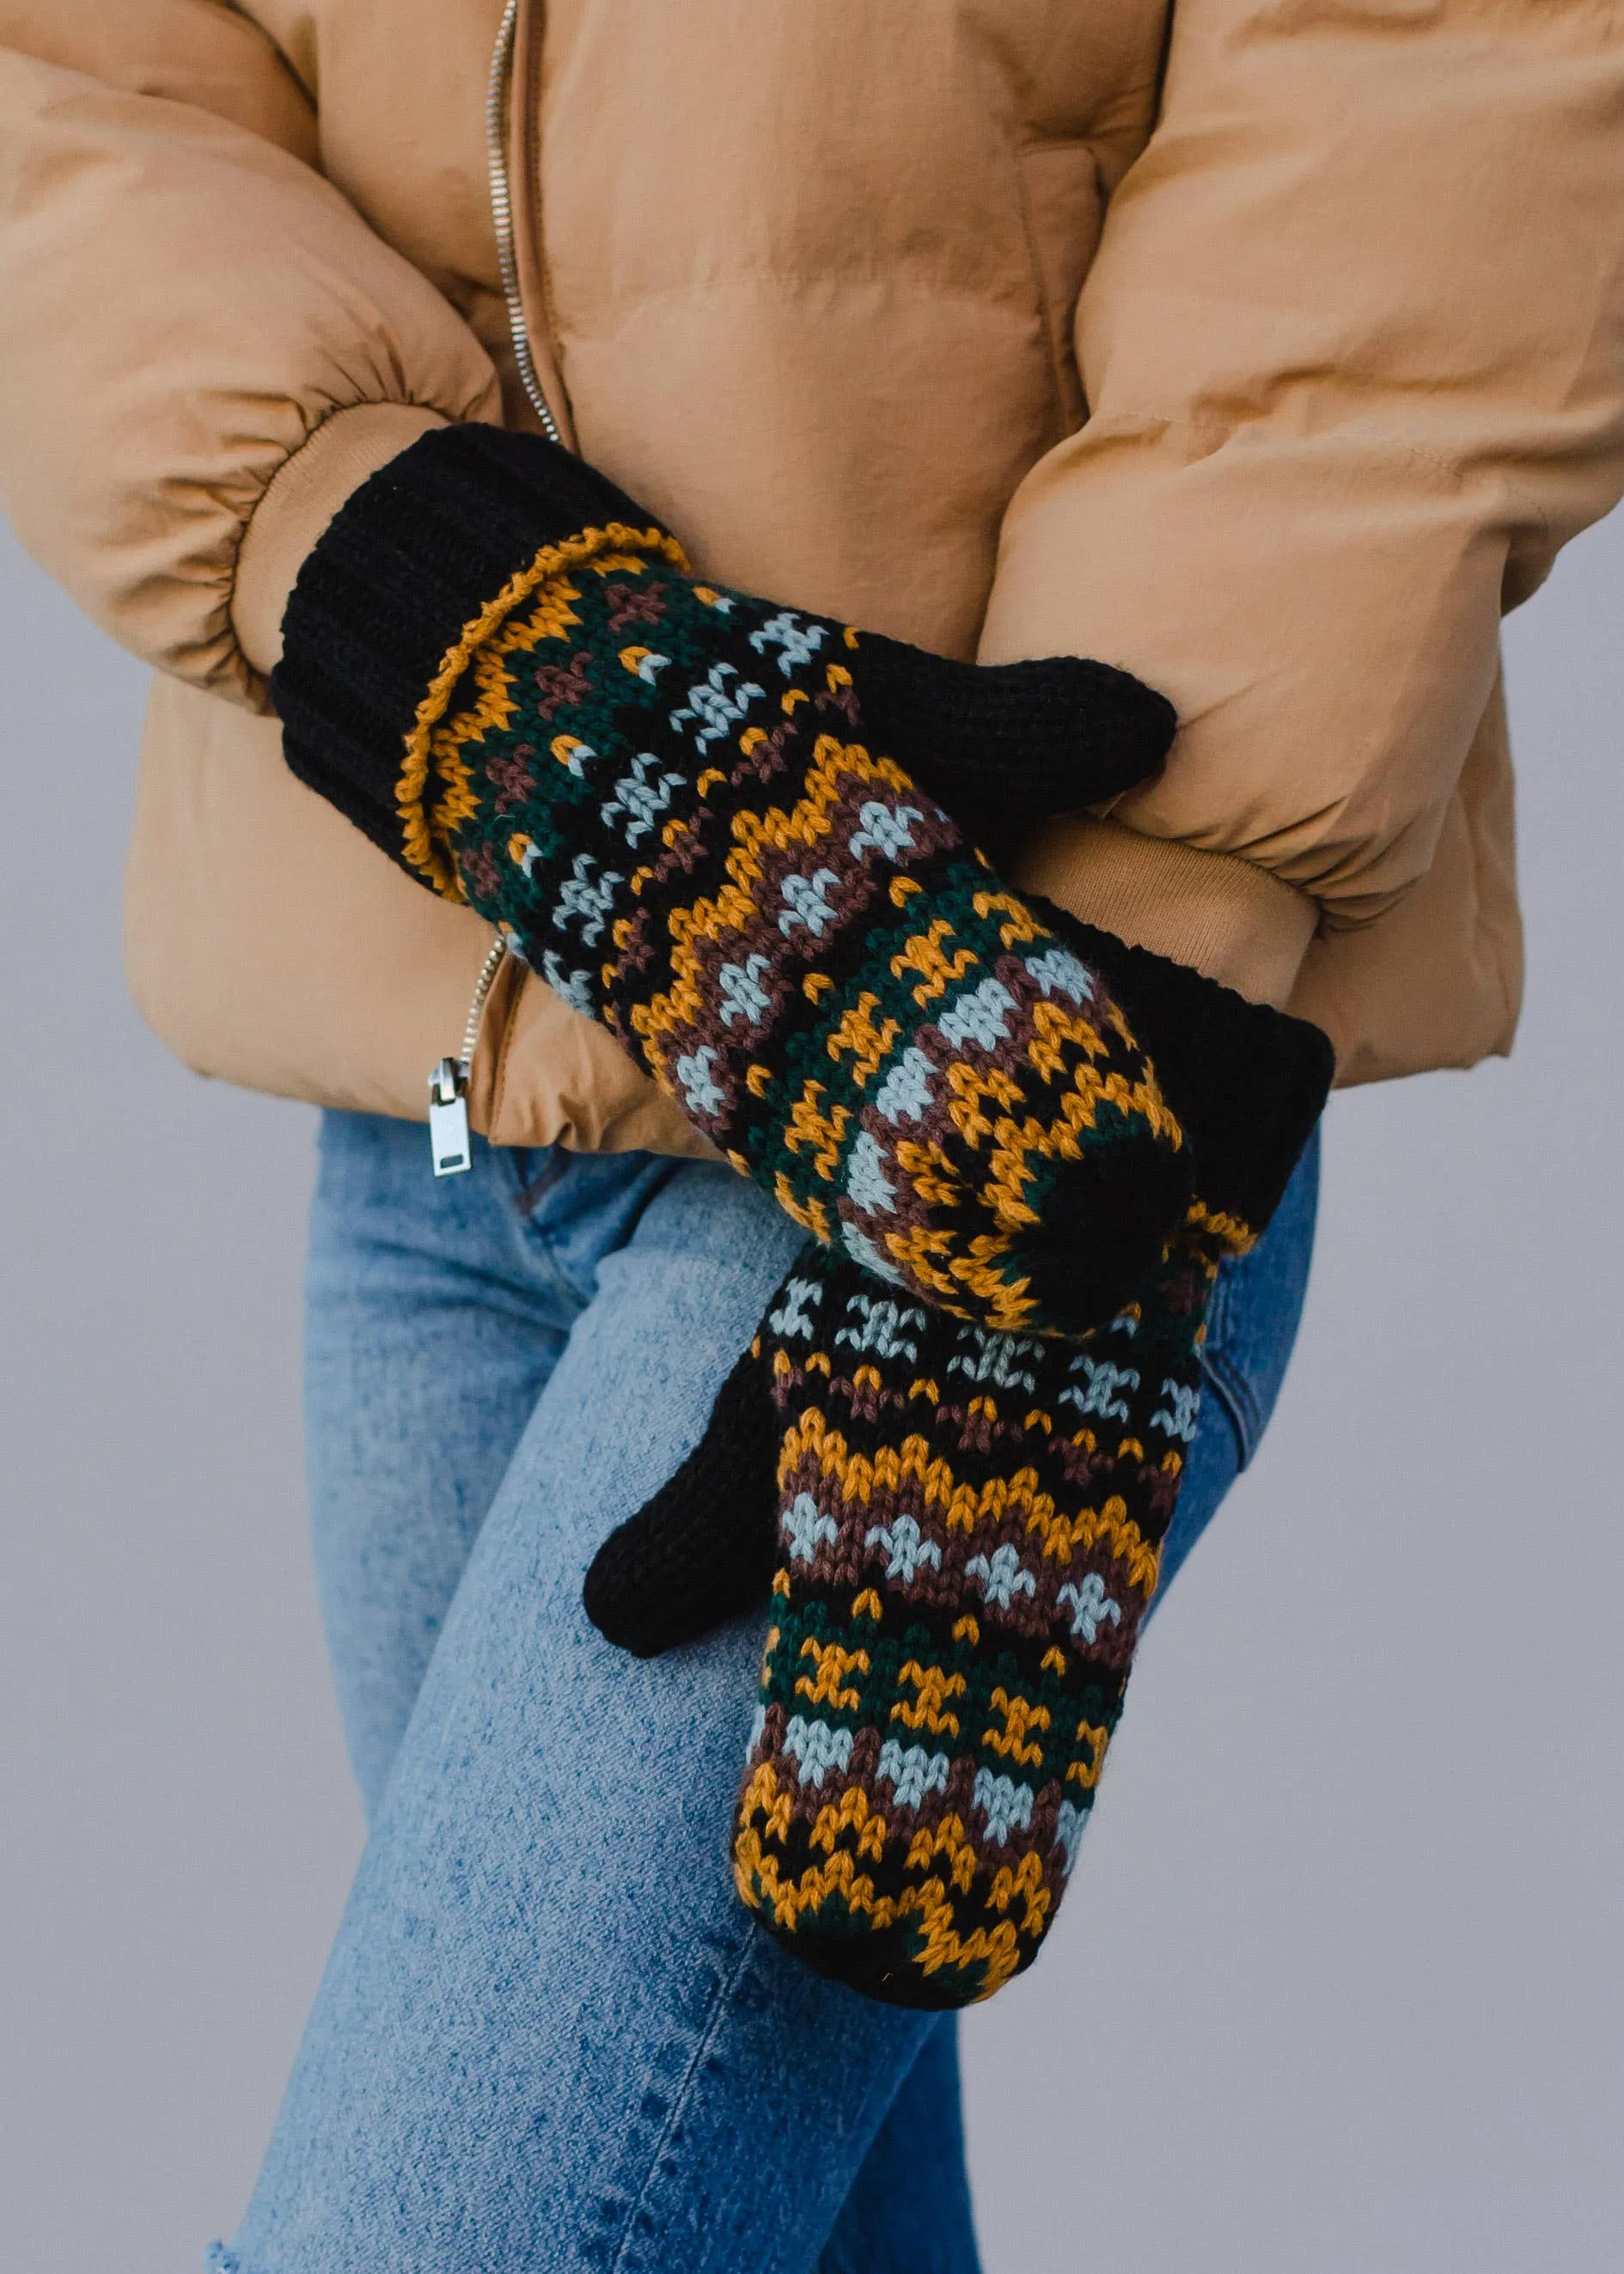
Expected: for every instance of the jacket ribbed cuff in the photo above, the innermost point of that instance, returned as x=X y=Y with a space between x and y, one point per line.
x=412 y=559
x=1228 y=917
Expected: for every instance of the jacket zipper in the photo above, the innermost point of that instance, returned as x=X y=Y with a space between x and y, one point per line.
x=449 y=1143
x=497 y=96
x=450 y=1146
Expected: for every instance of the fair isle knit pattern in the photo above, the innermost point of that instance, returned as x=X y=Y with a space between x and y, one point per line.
x=666 y=794
x=702 y=817
x=969 y=1529
x=705 y=818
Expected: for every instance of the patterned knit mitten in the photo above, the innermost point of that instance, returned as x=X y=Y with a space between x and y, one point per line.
x=968 y=1531
x=701 y=817
x=961 y=1530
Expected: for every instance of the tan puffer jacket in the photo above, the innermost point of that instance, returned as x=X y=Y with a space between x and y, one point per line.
x=1269 y=350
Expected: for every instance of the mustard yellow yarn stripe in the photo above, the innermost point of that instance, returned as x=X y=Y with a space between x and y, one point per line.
x=410 y=794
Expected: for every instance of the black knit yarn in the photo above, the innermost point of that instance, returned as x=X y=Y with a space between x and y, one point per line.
x=1071 y=1174
x=416 y=553
x=702 y=1549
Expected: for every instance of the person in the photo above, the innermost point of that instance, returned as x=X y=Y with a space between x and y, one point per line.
x=1264 y=355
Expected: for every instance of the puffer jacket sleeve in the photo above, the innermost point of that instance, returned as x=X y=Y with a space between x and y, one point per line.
x=190 y=313
x=1354 y=352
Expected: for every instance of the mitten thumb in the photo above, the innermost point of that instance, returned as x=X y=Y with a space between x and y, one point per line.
x=1003 y=746
x=702 y=1549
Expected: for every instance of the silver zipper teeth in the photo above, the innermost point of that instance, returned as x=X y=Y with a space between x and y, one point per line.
x=501 y=214
x=483 y=985
x=448 y=1133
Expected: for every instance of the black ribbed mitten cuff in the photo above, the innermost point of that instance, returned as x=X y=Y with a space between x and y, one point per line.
x=423 y=549
x=410 y=561
x=1246 y=1082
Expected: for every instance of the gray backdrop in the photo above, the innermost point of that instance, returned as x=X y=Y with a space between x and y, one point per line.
x=1338 y=1991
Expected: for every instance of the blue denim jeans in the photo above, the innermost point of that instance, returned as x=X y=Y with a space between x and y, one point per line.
x=549 y=2036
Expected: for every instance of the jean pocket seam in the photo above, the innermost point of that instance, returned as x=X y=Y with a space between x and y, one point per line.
x=1235 y=1395
x=709 y=2031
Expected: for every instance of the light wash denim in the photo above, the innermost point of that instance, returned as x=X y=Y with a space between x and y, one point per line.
x=549 y=2036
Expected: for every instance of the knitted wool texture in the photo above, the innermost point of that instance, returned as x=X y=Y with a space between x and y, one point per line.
x=968 y=1529
x=672 y=799
x=663 y=793
x=668 y=796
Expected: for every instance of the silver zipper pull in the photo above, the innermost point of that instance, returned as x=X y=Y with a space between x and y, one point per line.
x=450 y=1146
x=448 y=1137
